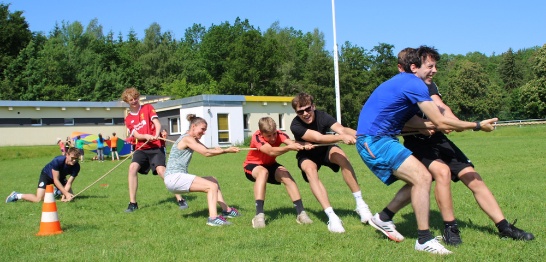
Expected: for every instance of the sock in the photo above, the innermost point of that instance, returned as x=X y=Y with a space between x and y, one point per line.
x=330 y=213
x=259 y=206
x=450 y=223
x=502 y=225
x=19 y=196
x=358 y=198
x=386 y=215
x=299 y=206
x=424 y=236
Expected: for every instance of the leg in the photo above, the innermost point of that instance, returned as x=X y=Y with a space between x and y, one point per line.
x=338 y=157
x=40 y=193
x=133 y=181
x=203 y=184
x=161 y=173
x=482 y=194
x=415 y=174
x=282 y=175
x=318 y=189
x=442 y=190
x=260 y=174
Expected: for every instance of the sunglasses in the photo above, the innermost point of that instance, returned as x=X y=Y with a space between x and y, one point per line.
x=307 y=109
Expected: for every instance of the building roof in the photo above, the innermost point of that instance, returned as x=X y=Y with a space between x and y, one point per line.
x=15 y=103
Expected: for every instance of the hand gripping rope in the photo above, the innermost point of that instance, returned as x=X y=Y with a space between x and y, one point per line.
x=110 y=171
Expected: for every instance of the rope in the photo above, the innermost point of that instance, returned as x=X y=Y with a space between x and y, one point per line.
x=110 y=171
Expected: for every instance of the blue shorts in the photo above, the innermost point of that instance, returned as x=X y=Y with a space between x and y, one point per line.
x=382 y=155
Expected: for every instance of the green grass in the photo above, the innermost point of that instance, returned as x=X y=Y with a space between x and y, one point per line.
x=511 y=160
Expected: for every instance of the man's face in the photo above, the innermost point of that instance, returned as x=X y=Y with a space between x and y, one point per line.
x=306 y=113
x=71 y=159
x=427 y=70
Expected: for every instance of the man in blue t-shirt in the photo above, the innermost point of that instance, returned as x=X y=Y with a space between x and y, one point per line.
x=56 y=173
x=383 y=117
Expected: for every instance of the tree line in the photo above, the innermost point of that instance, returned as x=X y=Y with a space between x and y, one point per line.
x=73 y=62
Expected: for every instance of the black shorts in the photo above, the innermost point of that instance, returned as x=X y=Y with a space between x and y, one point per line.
x=81 y=151
x=114 y=149
x=149 y=159
x=271 y=169
x=445 y=150
x=46 y=180
x=320 y=158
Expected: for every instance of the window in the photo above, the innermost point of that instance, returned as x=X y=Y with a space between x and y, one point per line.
x=281 y=122
x=246 y=119
x=36 y=121
x=174 y=125
x=108 y=121
x=223 y=128
x=69 y=121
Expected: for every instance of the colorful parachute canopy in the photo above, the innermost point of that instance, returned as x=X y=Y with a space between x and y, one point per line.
x=123 y=147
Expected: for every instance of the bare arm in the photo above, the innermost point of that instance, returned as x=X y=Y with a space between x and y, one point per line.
x=198 y=147
x=445 y=123
x=67 y=196
x=277 y=151
x=347 y=135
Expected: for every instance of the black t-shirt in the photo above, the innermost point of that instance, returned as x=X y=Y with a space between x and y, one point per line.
x=322 y=124
x=437 y=137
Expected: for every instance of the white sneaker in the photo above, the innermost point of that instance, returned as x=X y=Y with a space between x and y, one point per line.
x=258 y=221
x=335 y=225
x=432 y=246
x=364 y=212
x=388 y=228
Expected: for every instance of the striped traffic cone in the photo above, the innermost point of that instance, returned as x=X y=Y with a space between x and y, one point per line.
x=50 y=224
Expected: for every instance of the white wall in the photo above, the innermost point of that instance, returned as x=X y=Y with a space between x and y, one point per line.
x=210 y=139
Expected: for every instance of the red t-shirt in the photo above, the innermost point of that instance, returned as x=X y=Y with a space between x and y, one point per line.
x=141 y=122
x=257 y=141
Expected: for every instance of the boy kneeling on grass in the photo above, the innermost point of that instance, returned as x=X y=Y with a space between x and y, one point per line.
x=55 y=172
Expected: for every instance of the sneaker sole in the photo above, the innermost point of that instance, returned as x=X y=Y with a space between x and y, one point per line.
x=384 y=232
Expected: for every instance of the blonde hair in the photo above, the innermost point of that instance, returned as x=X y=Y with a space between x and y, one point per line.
x=267 y=125
x=130 y=93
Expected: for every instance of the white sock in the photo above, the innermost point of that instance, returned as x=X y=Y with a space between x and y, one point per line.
x=358 y=198
x=330 y=213
x=19 y=196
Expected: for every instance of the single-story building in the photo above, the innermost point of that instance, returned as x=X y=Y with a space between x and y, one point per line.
x=231 y=118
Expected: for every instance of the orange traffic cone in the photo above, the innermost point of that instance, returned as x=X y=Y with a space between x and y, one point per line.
x=50 y=224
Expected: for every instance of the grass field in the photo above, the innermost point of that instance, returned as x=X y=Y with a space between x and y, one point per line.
x=511 y=160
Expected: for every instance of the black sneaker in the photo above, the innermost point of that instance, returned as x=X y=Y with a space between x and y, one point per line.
x=515 y=233
x=452 y=236
x=182 y=204
x=132 y=207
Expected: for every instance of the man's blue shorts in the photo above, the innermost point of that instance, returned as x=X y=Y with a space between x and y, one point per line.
x=382 y=155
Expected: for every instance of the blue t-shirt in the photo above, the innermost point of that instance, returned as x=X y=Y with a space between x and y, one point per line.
x=391 y=105
x=58 y=164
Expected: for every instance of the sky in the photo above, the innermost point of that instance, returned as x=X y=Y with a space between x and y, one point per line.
x=453 y=27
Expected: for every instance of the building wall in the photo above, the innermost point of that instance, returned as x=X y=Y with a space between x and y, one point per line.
x=16 y=128
x=257 y=110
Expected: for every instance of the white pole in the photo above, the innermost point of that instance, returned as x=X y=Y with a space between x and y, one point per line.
x=336 y=69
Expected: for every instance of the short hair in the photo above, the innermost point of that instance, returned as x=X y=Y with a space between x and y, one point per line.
x=74 y=151
x=267 y=125
x=130 y=93
x=403 y=58
x=420 y=55
x=194 y=120
x=302 y=99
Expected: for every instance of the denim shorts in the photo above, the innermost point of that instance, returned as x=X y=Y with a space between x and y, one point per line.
x=382 y=155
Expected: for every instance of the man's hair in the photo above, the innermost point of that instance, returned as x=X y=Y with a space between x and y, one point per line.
x=302 y=99
x=130 y=93
x=420 y=55
x=267 y=125
x=74 y=151
x=403 y=59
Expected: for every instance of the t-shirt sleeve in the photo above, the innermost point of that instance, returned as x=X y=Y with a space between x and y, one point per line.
x=417 y=91
x=297 y=129
x=433 y=89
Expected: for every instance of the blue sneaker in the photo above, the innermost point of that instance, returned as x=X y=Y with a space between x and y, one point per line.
x=12 y=197
x=231 y=214
x=217 y=222
x=131 y=208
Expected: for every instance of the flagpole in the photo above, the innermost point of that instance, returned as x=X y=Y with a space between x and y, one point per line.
x=336 y=69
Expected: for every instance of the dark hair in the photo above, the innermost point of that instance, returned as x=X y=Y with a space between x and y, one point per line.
x=100 y=138
x=302 y=99
x=420 y=55
x=403 y=57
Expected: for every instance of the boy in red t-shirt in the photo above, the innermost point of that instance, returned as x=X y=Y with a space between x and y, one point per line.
x=143 y=125
x=261 y=167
